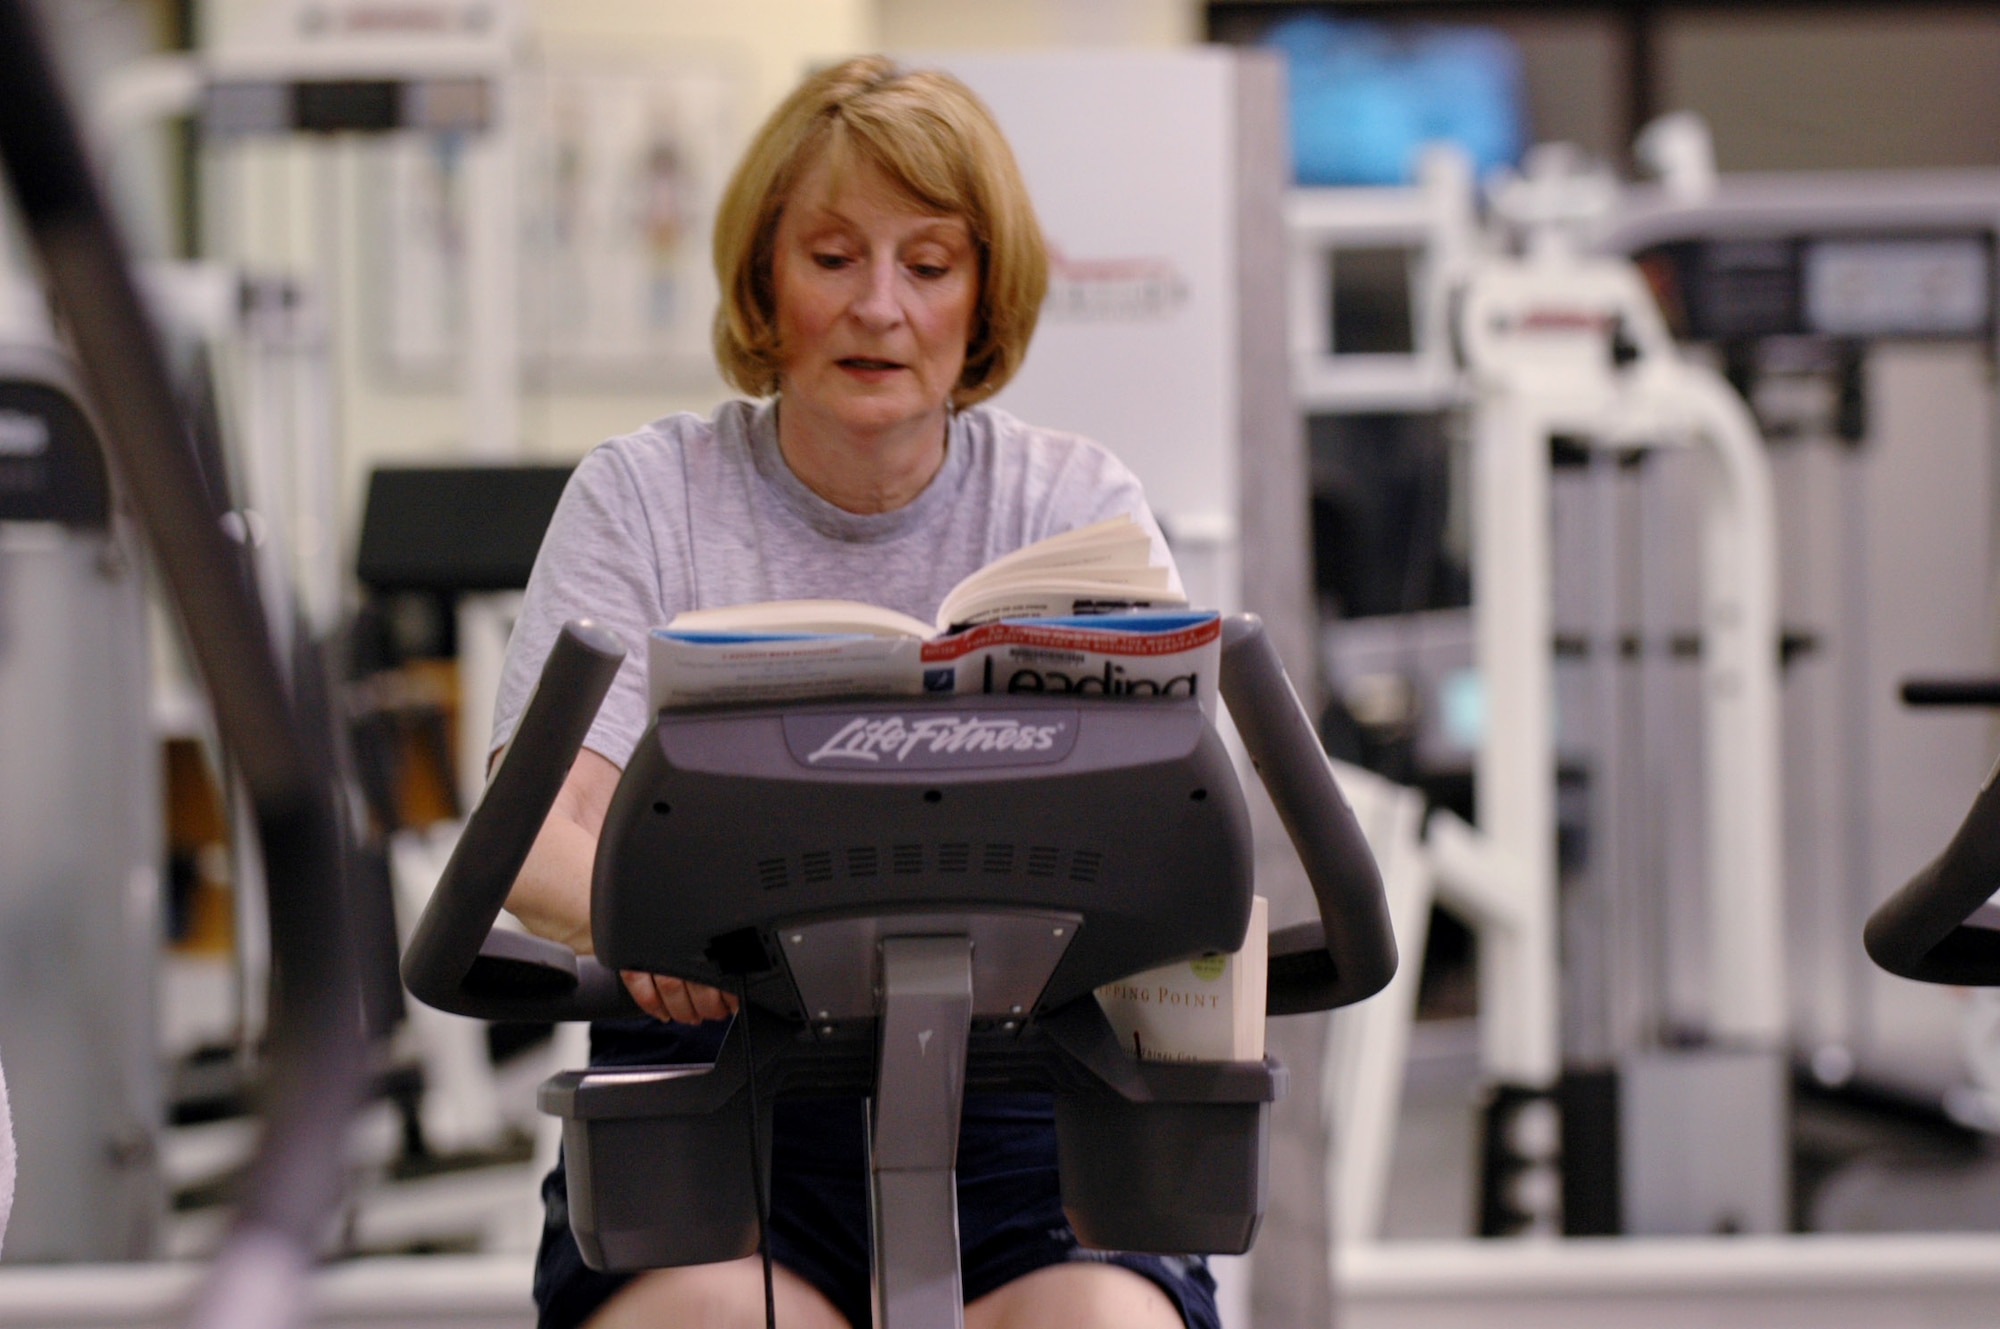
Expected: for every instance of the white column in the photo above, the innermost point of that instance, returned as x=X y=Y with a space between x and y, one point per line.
x=1516 y=772
x=1740 y=690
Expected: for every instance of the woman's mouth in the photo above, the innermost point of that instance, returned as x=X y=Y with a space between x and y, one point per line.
x=865 y=364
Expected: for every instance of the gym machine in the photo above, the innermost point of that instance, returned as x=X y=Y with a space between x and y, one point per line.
x=1548 y=350
x=1564 y=347
x=80 y=825
x=1795 y=283
x=1675 y=950
x=274 y=722
x=907 y=929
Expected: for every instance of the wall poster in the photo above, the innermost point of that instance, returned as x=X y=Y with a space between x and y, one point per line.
x=620 y=168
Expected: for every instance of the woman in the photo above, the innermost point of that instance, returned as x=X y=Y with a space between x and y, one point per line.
x=881 y=272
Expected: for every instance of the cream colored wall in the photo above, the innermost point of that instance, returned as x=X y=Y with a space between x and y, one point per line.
x=772 y=42
x=949 y=25
x=776 y=39
x=298 y=206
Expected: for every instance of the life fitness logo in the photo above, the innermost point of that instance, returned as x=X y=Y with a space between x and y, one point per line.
x=923 y=741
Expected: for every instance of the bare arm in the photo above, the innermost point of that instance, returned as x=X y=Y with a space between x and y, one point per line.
x=551 y=897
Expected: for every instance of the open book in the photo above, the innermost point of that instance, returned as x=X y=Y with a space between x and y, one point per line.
x=1091 y=570
x=1071 y=614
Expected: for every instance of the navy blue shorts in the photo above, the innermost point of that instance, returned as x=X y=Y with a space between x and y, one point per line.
x=1010 y=1219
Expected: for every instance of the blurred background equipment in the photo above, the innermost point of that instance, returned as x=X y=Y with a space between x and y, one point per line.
x=273 y=719
x=1853 y=288
x=80 y=811
x=1366 y=100
x=403 y=251
x=1565 y=350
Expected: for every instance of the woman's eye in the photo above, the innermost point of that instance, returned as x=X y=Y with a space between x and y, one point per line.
x=930 y=271
x=831 y=262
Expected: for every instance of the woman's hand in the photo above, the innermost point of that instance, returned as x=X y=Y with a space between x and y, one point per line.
x=675 y=999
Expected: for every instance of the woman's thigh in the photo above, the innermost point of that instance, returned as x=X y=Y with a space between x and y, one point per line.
x=1082 y=1295
x=717 y=1296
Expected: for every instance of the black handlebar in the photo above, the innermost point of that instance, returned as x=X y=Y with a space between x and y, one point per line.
x=457 y=962
x=1314 y=966
x=1951 y=692
x=1939 y=928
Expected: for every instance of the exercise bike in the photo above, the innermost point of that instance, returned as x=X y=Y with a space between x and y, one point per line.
x=914 y=897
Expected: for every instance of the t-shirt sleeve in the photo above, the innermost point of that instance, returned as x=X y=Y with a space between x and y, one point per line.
x=597 y=561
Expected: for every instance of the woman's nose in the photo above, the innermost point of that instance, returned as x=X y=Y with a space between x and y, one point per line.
x=879 y=304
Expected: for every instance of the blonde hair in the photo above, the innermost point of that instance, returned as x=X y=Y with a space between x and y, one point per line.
x=936 y=142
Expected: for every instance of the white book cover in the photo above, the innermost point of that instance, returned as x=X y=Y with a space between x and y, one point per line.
x=1210 y=1008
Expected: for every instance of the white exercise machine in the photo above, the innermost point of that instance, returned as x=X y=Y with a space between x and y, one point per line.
x=1559 y=356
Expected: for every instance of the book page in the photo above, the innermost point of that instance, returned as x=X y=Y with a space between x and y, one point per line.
x=1118 y=542
x=1117 y=552
x=1058 y=597
x=686 y=669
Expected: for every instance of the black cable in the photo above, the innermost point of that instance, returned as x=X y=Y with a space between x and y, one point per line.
x=756 y=1155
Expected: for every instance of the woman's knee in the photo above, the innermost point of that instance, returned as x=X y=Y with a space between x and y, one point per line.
x=716 y=1296
x=1084 y=1295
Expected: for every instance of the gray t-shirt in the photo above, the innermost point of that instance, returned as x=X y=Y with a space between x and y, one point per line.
x=696 y=514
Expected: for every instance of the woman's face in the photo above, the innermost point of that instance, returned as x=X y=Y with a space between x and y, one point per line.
x=875 y=300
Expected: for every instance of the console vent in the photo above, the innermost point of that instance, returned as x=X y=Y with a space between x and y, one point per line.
x=817 y=867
